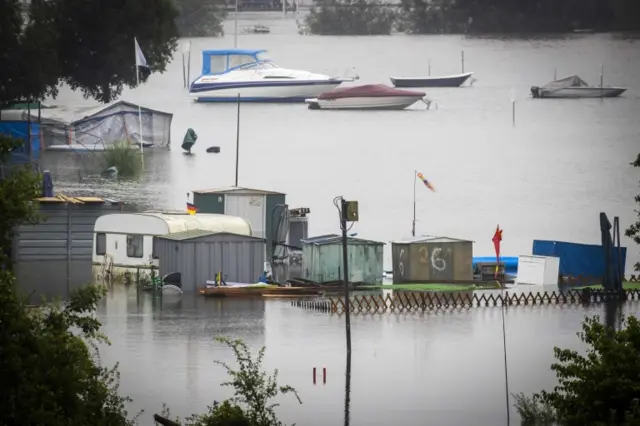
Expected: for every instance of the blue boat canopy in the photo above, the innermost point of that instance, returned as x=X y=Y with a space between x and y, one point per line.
x=223 y=60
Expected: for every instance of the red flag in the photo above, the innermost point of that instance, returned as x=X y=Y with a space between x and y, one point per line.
x=497 y=237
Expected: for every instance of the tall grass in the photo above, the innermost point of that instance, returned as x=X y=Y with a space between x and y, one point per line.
x=127 y=160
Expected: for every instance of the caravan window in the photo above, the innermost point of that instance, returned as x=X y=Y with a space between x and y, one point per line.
x=134 y=246
x=101 y=244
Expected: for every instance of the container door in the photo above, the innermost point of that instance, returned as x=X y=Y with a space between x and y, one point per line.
x=249 y=207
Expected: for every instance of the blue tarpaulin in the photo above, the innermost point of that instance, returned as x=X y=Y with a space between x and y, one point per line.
x=20 y=129
x=510 y=263
x=586 y=260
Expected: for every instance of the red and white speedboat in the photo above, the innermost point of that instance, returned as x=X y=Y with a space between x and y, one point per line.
x=371 y=96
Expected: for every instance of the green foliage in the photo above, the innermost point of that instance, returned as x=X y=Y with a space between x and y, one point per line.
x=18 y=187
x=599 y=388
x=533 y=411
x=87 y=44
x=350 y=17
x=253 y=391
x=200 y=18
x=50 y=375
x=127 y=160
x=634 y=230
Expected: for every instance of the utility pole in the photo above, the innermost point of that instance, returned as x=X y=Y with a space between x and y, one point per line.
x=348 y=213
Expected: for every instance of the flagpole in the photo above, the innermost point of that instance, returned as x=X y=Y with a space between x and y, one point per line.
x=413 y=228
x=135 y=44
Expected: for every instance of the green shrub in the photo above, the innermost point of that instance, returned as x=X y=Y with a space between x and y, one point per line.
x=254 y=389
x=127 y=160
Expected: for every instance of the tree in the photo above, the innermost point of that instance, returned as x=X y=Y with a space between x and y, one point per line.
x=200 y=18
x=87 y=44
x=634 y=230
x=350 y=17
x=50 y=374
x=601 y=388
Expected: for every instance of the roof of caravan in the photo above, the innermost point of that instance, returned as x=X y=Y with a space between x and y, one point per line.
x=174 y=222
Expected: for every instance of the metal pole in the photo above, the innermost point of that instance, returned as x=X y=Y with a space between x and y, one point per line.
x=429 y=67
x=235 y=27
x=602 y=82
x=345 y=270
x=139 y=108
x=463 y=61
x=413 y=228
x=184 y=72
x=238 y=139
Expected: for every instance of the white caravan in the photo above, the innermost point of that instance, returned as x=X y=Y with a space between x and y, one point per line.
x=124 y=241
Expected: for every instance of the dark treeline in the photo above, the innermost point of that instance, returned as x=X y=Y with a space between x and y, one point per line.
x=475 y=16
x=200 y=18
x=350 y=17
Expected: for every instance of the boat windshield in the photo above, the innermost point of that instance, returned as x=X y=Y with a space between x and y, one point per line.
x=262 y=65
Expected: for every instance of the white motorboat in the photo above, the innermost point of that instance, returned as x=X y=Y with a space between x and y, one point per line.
x=371 y=96
x=574 y=87
x=227 y=74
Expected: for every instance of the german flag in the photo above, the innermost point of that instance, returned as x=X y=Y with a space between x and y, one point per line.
x=191 y=209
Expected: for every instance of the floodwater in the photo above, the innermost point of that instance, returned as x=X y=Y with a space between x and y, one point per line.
x=546 y=177
x=443 y=368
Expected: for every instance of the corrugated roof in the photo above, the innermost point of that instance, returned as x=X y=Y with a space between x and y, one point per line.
x=61 y=198
x=232 y=189
x=197 y=233
x=337 y=239
x=423 y=239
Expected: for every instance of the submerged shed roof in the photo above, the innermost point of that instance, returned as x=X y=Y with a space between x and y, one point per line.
x=337 y=239
x=63 y=199
x=236 y=189
x=198 y=233
x=430 y=239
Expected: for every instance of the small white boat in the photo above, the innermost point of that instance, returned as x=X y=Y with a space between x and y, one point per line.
x=574 y=87
x=227 y=74
x=371 y=96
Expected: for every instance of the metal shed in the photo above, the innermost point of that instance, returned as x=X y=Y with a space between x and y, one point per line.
x=256 y=206
x=322 y=259
x=54 y=256
x=199 y=255
x=431 y=258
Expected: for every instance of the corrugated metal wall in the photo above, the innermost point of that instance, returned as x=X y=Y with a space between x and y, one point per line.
x=417 y=262
x=323 y=263
x=240 y=259
x=54 y=256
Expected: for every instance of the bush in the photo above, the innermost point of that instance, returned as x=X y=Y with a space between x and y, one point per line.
x=127 y=160
x=253 y=388
x=601 y=388
x=51 y=375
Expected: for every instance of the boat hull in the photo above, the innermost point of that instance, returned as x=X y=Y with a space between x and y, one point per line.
x=578 y=93
x=360 y=103
x=287 y=91
x=445 y=81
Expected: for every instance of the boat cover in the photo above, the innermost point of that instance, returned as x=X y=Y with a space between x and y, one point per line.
x=368 y=91
x=564 y=83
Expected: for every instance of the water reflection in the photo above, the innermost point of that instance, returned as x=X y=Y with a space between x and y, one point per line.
x=347 y=390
